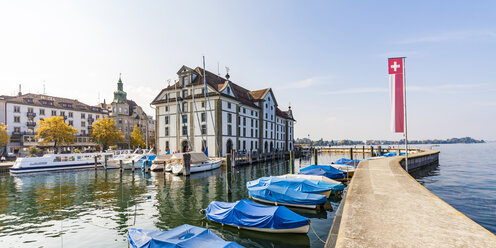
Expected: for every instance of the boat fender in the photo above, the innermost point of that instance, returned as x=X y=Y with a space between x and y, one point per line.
x=202 y=211
x=276 y=203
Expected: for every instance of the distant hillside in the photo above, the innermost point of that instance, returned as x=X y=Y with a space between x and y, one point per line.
x=321 y=142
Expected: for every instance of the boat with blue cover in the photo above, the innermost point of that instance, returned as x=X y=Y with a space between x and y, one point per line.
x=181 y=236
x=345 y=161
x=324 y=170
x=250 y=215
x=298 y=184
x=284 y=194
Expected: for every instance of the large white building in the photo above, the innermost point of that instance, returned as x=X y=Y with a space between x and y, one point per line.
x=241 y=119
x=21 y=113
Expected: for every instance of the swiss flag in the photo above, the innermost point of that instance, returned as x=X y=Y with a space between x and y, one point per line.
x=397 y=94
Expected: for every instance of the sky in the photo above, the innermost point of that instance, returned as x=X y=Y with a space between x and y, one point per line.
x=327 y=59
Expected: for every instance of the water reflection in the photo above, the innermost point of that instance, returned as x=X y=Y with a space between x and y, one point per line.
x=48 y=209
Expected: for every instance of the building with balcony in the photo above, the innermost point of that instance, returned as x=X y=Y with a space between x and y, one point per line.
x=241 y=119
x=126 y=114
x=21 y=113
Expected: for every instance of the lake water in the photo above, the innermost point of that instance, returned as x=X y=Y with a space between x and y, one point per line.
x=88 y=208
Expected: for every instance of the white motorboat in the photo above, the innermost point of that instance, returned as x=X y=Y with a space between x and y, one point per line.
x=138 y=159
x=199 y=162
x=350 y=170
x=162 y=162
x=311 y=177
x=54 y=162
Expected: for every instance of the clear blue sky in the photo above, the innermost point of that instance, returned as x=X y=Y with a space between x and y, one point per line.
x=328 y=58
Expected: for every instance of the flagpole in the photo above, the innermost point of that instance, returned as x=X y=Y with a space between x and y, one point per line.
x=404 y=112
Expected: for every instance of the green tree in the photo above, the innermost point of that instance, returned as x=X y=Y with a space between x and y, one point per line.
x=54 y=129
x=33 y=151
x=106 y=133
x=4 y=136
x=137 y=137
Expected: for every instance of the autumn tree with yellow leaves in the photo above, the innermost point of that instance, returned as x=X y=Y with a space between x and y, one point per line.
x=137 y=138
x=106 y=133
x=54 y=129
x=4 y=136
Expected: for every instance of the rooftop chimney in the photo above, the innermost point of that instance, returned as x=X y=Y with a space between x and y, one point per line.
x=20 y=93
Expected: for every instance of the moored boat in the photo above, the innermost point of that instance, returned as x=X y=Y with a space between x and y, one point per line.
x=54 y=162
x=253 y=216
x=324 y=170
x=198 y=162
x=350 y=170
x=298 y=184
x=181 y=236
x=277 y=195
x=311 y=177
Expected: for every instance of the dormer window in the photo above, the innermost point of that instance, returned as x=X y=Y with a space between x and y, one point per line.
x=228 y=90
x=29 y=100
x=185 y=81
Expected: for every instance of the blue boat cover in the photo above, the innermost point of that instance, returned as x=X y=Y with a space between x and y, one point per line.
x=276 y=193
x=323 y=170
x=345 y=161
x=245 y=213
x=298 y=184
x=181 y=236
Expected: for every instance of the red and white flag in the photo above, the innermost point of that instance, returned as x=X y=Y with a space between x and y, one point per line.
x=397 y=91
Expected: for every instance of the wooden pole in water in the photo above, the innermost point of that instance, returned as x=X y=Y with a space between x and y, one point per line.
x=105 y=161
x=132 y=166
x=371 y=151
x=315 y=156
x=228 y=173
x=96 y=163
x=186 y=164
x=351 y=153
x=120 y=165
x=363 y=152
x=380 y=150
x=291 y=162
x=249 y=157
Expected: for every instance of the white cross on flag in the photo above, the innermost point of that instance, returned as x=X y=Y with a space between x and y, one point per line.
x=397 y=91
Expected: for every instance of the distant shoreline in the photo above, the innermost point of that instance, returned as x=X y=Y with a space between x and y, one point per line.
x=464 y=140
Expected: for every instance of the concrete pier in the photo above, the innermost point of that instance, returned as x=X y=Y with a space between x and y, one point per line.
x=385 y=207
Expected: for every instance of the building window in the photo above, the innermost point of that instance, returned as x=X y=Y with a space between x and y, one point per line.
x=265 y=133
x=30 y=110
x=97 y=117
x=62 y=113
x=185 y=130
x=42 y=111
x=166 y=131
x=229 y=118
x=244 y=111
x=228 y=105
x=166 y=108
x=167 y=144
x=203 y=103
x=244 y=144
x=204 y=129
x=54 y=112
x=83 y=132
x=17 y=119
x=244 y=121
x=185 y=107
x=83 y=115
x=17 y=109
x=70 y=114
x=251 y=132
x=185 y=80
x=244 y=132
x=185 y=118
x=229 y=130
x=266 y=116
x=83 y=124
x=120 y=121
x=252 y=112
x=203 y=117
x=251 y=122
x=185 y=93
x=251 y=145
x=70 y=123
x=166 y=120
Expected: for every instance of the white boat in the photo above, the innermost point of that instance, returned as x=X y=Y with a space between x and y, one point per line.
x=311 y=177
x=199 y=162
x=350 y=170
x=54 y=162
x=162 y=162
x=138 y=159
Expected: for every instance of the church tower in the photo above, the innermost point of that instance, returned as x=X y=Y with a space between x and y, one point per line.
x=120 y=96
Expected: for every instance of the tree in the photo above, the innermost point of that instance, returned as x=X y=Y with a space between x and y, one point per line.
x=4 y=136
x=54 y=129
x=33 y=151
x=137 y=137
x=105 y=132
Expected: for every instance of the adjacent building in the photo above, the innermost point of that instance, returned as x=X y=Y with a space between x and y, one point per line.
x=127 y=114
x=21 y=113
x=190 y=118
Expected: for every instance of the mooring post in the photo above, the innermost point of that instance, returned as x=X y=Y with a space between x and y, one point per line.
x=351 y=153
x=371 y=151
x=380 y=150
x=363 y=152
x=186 y=164
x=146 y=166
x=228 y=174
x=96 y=162
x=250 y=157
x=105 y=161
x=132 y=166
x=120 y=165
x=399 y=152
x=291 y=162
x=315 y=156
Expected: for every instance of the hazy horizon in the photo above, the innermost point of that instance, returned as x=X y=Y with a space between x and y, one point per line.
x=328 y=59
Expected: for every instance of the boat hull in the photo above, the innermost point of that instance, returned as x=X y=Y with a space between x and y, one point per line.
x=285 y=204
x=177 y=170
x=54 y=168
x=297 y=230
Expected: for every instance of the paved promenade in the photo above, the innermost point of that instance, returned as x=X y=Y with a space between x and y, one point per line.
x=386 y=207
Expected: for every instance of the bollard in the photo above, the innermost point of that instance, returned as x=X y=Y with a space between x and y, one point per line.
x=351 y=153
x=363 y=152
x=380 y=150
x=120 y=165
x=371 y=151
x=186 y=164
x=132 y=165
x=399 y=152
x=228 y=173
x=315 y=156
x=96 y=163
x=291 y=162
